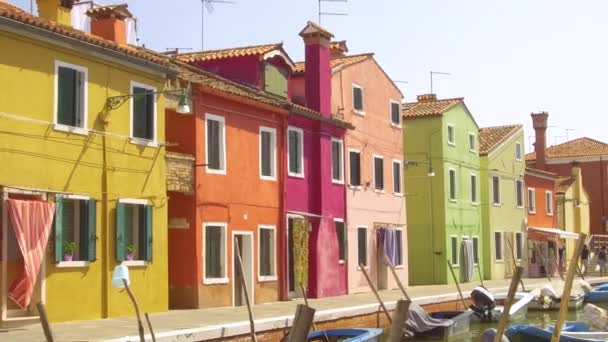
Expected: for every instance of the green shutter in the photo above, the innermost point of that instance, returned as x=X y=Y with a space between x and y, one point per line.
x=121 y=243
x=148 y=232
x=58 y=229
x=67 y=84
x=275 y=81
x=91 y=235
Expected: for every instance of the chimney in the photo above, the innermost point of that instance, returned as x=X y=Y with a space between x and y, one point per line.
x=59 y=11
x=427 y=98
x=318 y=72
x=577 y=174
x=109 y=22
x=539 y=122
x=338 y=49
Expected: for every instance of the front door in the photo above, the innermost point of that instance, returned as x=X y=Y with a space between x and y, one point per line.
x=243 y=280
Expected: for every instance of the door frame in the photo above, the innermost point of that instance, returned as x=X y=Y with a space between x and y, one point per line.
x=250 y=287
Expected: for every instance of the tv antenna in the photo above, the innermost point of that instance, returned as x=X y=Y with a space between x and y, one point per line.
x=567 y=131
x=321 y=13
x=174 y=50
x=209 y=6
x=432 y=73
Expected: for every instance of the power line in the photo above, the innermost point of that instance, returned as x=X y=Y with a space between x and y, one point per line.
x=209 y=6
x=321 y=13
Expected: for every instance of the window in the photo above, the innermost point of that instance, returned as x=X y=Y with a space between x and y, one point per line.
x=397 y=176
x=531 y=200
x=296 y=151
x=362 y=245
x=473 y=188
x=475 y=249
x=357 y=98
x=452 y=180
x=495 y=190
x=395 y=114
x=341 y=234
x=268 y=147
x=71 y=96
x=518 y=151
x=454 y=250
x=451 y=135
x=354 y=158
x=498 y=246
x=267 y=252
x=472 y=142
x=134 y=230
x=519 y=244
x=75 y=228
x=519 y=193
x=378 y=173
x=337 y=161
x=143 y=112
x=399 y=247
x=214 y=235
x=216 y=144
x=549 y=202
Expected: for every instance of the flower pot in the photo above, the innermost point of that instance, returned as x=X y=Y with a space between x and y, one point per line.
x=67 y=257
x=130 y=256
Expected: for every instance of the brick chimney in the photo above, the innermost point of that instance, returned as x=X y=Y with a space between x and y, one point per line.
x=59 y=11
x=109 y=22
x=318 y=72
x=338 y=49
x=539 y=122
x=427 y=98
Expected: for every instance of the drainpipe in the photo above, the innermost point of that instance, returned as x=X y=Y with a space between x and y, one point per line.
x=602 y=194
x=105 y=218
x=345 y=265
x=283 y=282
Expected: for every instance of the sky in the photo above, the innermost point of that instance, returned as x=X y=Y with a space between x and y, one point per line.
x=506 y=58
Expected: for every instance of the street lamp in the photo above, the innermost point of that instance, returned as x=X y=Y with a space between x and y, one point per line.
x=183 y=106
x=120 y=280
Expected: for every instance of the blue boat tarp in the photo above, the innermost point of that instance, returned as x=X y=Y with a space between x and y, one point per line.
x=348 y=335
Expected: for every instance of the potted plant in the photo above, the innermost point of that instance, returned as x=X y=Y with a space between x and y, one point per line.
x=130 y=252
x=68 y=250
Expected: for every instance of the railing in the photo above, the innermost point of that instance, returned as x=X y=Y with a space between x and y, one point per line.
x=597 y=241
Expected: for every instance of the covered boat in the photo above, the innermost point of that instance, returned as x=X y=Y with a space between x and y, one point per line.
x=572 y=332
x=598 y=294
x=548 y=297
x=346 y=335
x=439 y=325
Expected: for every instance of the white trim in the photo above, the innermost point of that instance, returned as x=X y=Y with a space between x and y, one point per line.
x=534 y=200
x=133 y=201
x=72 y=264
x=523 y=199
x=352 y=92
x=391 y=101
x=474 y=149
x=450 y=198
x=273 y=153
x=135 y=263
x=521 y=151
x=499 y=190
x=502 y=246
x=458 y=240
x=342 y=261
x=74 y=197
x=225 y=279
x=549 y=209
x=400 y=163
x=451 y=143
x=341 y=142
x=273 y=277
x=300 y=132
x=250 y=287
x=366 y=247
x=581 y=159
x=374 y=157
x=137 y=140
x=476 y=201
x=223 y=146
x=350 y=185
x=85 y=106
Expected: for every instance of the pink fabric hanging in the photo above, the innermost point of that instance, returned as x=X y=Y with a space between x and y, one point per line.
x=32 y=221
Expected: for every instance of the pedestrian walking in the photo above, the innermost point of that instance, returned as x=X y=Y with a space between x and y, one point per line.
x=601 y=259
x=585 y=259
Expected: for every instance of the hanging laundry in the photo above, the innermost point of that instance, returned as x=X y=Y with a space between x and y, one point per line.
x=387 y=239
x=468 y=260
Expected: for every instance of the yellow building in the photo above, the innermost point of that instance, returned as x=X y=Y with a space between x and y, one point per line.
x=103 y=166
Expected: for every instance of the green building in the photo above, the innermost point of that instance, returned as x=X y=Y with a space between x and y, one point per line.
x=442 y=188
x=503 y=192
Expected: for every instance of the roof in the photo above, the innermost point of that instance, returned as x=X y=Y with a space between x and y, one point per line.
x=16 y=14
x=563 y=184
x=491 y=137
x=209 y=55
x=429 y=107
x=581 y=147
x=343 y=61
x=530 y=170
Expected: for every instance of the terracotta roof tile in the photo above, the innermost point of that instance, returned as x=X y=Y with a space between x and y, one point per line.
x=581 y=147
x=491 y=137
x=429 y=107
x=563 y=184
x=541 y=172
x=343 y=61
x=119 y=11
x=14 y=13
x=209 y=55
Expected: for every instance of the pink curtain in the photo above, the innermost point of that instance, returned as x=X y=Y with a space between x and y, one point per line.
x=32 y=221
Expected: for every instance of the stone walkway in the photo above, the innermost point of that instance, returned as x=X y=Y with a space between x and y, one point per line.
x=196 y=325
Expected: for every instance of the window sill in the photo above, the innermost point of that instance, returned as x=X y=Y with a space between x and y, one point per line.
x=496 y=205
x=72 y=264
x=359 y=112
x=265 y=279
x=135 y=263
x=338 y=182
x=355 y=187
x=395 y=125
x=295 y=175
x=518 y=160
x=215 y=281
x=398 y=194
x=144 y=142
x=215 y=172
x=268 y=178
x=549 y=214
x=499 y=261
x=473 y=151
x=452 y=200
x=452 y=144
x=456 y=266
x=71 y=129
x=475 y=204
x=532 y=212
x=379 y=191
x=341 y=262
x=365 y=267
x=399 y=267
x=519 y=207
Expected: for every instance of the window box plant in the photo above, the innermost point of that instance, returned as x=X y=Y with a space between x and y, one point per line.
x=68 y=250
x=131 y=252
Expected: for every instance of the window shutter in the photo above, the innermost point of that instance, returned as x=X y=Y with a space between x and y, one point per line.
x=266 y=141
x=58 y=229
x=67 y=83
x=89 y=240
x=149 y=227
x=358 y=98
x=379 y=173
x=121 y=241
x=213 y=144
x=149 y=134
x=395 y=113
x=355 y=175
x=336 y=160
x=139 y=116
x=294 y=150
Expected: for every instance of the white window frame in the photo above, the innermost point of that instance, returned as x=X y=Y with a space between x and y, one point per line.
x=366 y=247
x=549 y=208
x=521 y=248
x=532 y=200
x=457 y=264
x=140 y=141
x=402 y=264
x=341 y=180
x=350 y=185
x=224 y=279
x=499 y=190
x=300 y=132
x=374 y=157
x=502 y=246
x=523 y=198
x=262 y=278
x=476 y=201
x=474 y=149
x=273 y=153
x=473 y=239
x=223 y=161
x=400 y=163
x=340 y=261
x=362 y=110
x=518 y=148
x=85 y=109
x=450 y=198
x=453 y=127
x=396 y=125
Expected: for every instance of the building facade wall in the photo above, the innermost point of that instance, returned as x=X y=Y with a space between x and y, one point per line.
x=541 y=185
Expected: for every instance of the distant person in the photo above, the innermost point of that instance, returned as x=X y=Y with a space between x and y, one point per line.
x=562 y=257
x=601 y=260
x=585 y=259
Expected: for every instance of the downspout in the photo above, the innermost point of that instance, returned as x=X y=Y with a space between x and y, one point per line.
x=602 y=194
x=105 y=203
x=346 y=287
x=283 y=290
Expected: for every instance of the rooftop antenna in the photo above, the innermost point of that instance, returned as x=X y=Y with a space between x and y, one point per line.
x=558 y=136
x=175 y=50
x=567 y=131
x=437 y=73
x=209 y=6
x=329 y=13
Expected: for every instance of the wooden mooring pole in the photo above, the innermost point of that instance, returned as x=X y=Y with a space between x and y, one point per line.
x=44 y=320
x=464 y=304
x=254 y=338
x=504 y=319
x=400 y=315
x=397 y=280
x=371 y=285
x=515 y=264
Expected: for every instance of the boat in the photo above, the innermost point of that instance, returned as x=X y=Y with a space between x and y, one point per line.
x=575 y=303
x=346 y=335
x=518 y=311
x=437 y=325
x=598 y=294
x=571 y=332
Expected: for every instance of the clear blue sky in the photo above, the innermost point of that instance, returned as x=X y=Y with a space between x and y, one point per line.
x=507 y=58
